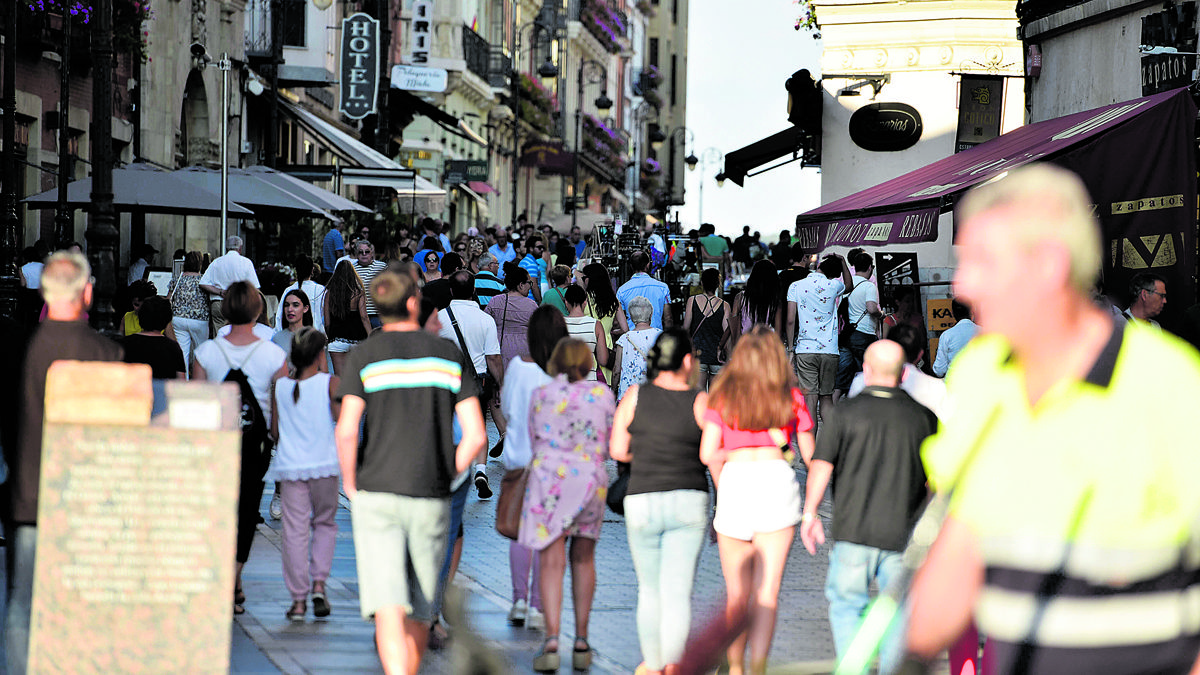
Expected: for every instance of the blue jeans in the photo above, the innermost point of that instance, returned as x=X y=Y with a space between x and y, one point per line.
x=458 y=502
x=852 y=567
x=666 y=531
x=376 y=322
x=20 y=600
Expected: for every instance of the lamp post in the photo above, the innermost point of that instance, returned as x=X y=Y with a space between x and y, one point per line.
x=64 y=225
x=603 y=103
x=710 y=157
x=224 y=65
x=689 y=139
x=546 y=71
x=102 y=234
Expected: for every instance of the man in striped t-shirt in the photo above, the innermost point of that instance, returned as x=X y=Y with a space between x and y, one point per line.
x=367 y=267
x=412 y=383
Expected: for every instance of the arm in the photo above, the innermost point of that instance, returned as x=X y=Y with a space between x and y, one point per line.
x=944 y=590
x=474 y=435
x=335 y=406
x=735 y=316
x=621 y=321
x=942 y=362
x=274 y=432
x=618 y=441
x=668 y=317
x=725 y=325
x=169 y=331
x=847 y=276
x=212 y=290
x=601 y=345
x=617 y=366
x=325 y=317
x=495 y=366
x=198 y=374
x=346 y=435
x=687 y=310
x=808 y=445
x=812 y=532
x=710 y=449
x=790 y=340
x=362 y=312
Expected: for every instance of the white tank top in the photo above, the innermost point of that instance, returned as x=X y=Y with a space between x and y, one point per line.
x=306 y=446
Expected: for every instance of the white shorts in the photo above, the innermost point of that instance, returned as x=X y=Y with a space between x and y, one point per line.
x=753 y=497
x=341 y=346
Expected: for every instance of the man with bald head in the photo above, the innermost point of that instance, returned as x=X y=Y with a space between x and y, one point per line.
x=870 y=449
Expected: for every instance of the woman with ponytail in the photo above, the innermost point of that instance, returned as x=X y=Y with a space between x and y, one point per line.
x=657 y=430
x=302 y=420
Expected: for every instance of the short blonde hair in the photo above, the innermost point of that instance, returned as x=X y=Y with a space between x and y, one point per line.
x=572 y=358
x=1057 y=209
x=64 y=277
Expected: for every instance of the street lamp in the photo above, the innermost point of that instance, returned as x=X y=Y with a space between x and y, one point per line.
x=224 y=65
x=644 y=112
x=603 y=102
x=546 y=71
x=688 y=138
x=710 y=157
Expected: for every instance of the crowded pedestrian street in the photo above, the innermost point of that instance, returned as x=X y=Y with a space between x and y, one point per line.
x=265 y=641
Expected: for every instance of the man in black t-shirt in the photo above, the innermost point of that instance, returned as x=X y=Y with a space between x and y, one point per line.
x=871 y=451
x=412 y=384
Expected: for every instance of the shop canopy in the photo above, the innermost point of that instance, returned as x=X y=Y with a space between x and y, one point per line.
x=1126 y=141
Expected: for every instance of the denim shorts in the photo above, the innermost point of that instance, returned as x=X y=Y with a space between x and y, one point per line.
x=399 y=544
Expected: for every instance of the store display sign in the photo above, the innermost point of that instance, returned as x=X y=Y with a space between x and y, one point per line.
x=980 y=110
x=1171 y=30
x=360 y=65
x=465 y=170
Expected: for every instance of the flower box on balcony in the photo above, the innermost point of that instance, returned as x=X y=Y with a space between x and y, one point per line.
x=606 y=24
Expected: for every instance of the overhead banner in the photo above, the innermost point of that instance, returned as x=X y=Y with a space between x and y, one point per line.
x=907 y=227
x=980 y=110
x=360 y=65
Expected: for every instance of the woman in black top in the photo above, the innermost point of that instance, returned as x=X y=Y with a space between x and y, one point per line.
x=150 y=346
x=657 y=430
x=346 y=321
x=707 y=319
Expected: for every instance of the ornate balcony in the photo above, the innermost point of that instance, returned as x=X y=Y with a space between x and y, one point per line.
x=607 y=24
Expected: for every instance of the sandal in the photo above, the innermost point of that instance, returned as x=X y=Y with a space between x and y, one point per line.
x=296 y=611
x=239 y=596
x=238 y=609
x=547 y=660
x=581 y=659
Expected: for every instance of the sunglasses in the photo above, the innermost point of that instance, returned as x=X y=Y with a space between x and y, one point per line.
x=460 y=249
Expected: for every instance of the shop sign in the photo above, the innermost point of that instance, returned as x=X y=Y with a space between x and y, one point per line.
x=940 y=315
x=360 y=65
x=1173 y=28
x=980 y=110
x=549 y=157
x=465 y=170
x=416 y=78
x=421 y=33
x=886 y=127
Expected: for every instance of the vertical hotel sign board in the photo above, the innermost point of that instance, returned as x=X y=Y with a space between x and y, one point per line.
x=421 y=33
x=360 y=65
x=980 y=110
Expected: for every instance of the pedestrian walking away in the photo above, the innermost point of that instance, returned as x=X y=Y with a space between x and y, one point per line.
x=410 y=385
x=306 y=468
x=657 y=430
x=754 y=409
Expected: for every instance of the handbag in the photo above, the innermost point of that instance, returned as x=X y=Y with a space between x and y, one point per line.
x=615 y=499
x=848 y=329
x=511 y=502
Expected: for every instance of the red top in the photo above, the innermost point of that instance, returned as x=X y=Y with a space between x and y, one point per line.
x=733 y=439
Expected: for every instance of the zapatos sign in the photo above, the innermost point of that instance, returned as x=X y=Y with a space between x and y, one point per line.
x=360 y=65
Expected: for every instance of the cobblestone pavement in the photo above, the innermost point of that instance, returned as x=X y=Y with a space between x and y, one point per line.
x=343 y=643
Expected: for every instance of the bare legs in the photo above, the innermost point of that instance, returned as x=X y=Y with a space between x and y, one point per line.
x=753 y=572
x=339 y=362
x=583 y=583
x=400 y=640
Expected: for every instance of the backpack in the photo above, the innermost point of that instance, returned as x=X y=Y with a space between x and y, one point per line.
x=253 y=422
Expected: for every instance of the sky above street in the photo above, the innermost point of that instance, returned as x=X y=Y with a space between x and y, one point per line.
x=739 y=56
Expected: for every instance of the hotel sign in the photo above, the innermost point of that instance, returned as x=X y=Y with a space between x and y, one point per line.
x=360 y=65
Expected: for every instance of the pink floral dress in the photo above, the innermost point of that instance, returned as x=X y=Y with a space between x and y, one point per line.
x=569 y=426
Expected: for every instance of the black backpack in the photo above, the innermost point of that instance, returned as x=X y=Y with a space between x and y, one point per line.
x=254 y=424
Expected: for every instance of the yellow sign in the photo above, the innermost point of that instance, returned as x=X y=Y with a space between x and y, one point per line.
x=1139 y=253
x=1147 y=204
x=940 y=317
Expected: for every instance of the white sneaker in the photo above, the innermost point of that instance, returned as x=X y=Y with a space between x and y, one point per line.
x=516 y=615
x=276 y=507
x=534 y=620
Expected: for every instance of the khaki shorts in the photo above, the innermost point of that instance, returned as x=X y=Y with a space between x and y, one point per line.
x=399 y=545
x=816 y=373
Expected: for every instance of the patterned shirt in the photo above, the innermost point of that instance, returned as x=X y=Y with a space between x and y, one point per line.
x=187 y=300
x=816 y=313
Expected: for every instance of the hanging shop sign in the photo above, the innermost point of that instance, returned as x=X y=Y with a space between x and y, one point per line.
x=885 y=127
x=980 y=110
x=465 y=171
x=549 y=157
x=360 y=65
x=421 y=32
x=416 y=78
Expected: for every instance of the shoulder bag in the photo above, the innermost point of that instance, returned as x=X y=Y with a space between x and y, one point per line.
x=511 y=502
x=482 y=381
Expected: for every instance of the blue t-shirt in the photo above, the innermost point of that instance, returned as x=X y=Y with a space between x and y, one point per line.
x=329 y=249
x=530 y=264
x=507 y=255
x=650 y=288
